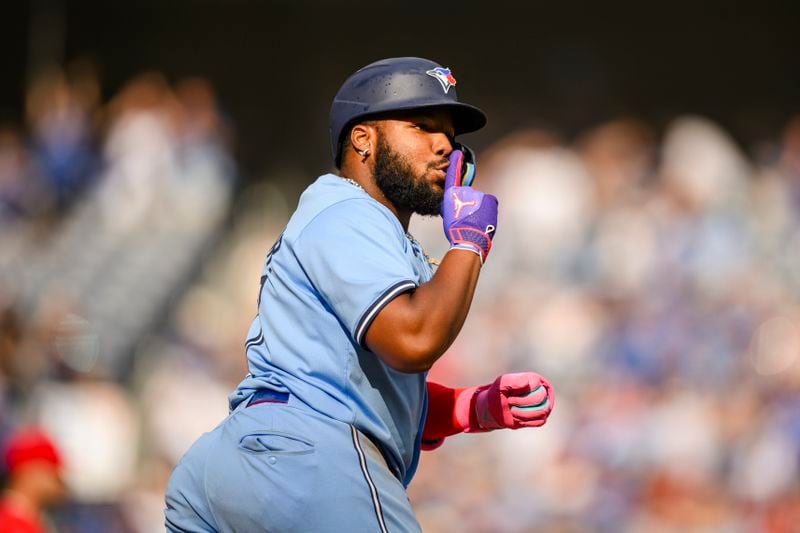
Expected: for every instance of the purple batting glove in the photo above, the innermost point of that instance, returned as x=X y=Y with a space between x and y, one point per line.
x=469 y=216
x=514 y=401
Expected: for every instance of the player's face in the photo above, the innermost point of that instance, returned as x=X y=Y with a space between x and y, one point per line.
x=411 y=160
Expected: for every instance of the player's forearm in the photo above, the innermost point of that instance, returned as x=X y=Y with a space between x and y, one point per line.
x=441 y=305
x=441 y=420
x=415 y=329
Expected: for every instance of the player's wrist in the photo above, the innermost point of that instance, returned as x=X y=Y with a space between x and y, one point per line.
x=465 y=413
x=483 y=410
x=471 y=239
x=473 y=249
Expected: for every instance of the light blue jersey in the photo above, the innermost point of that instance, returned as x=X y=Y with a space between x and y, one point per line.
x=342 y=257
x=322 y=435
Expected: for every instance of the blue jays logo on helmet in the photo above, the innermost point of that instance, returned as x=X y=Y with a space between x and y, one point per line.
x=444 y=76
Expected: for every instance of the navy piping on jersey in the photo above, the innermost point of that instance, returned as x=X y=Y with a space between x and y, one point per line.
x=253 y=342
x=362 y=460
x=372 y=311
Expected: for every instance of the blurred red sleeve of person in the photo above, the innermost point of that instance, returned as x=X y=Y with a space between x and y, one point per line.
x=33 y=466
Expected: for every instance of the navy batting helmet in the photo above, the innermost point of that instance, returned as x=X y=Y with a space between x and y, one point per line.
x=397 y=84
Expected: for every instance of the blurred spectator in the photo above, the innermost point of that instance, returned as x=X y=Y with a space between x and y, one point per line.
x=59 y=111
x=204 y=140
x=33 y=466
x=140 y=152
x=22 y=193
x=200 y=123
x=98 y=430
x=619 y=155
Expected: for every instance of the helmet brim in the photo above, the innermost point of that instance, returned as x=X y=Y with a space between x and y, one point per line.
x=466 y=118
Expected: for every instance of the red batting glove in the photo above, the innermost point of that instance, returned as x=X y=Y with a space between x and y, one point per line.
x=513 y=401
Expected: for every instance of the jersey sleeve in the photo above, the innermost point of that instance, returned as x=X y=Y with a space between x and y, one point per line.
x=354 y=255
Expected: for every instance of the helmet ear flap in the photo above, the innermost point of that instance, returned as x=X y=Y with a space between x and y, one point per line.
x=467 y=164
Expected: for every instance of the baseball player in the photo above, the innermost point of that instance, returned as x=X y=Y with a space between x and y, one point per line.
x=326 y=429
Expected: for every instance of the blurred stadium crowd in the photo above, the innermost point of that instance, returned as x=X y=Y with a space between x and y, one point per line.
x=107 y=214
x=652 y=276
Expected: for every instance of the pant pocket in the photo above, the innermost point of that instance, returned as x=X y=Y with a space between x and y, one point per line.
x=263 y=481
x=276 y=443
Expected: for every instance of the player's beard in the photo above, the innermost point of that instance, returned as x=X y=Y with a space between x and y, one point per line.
x=395 y=178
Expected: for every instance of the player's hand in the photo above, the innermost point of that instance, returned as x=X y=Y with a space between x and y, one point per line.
x=513 y=401
x=469 y=216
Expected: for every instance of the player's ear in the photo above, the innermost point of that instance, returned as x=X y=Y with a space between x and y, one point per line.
x=362 y=138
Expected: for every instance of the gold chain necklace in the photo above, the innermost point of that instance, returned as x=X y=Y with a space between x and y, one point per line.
x=431 y=260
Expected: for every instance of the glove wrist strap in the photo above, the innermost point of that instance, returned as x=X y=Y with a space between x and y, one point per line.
x=466 y=409
x=467 y=238
x=482 y=413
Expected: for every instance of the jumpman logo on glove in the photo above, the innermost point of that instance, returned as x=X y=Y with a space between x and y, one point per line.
x=461 y=204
